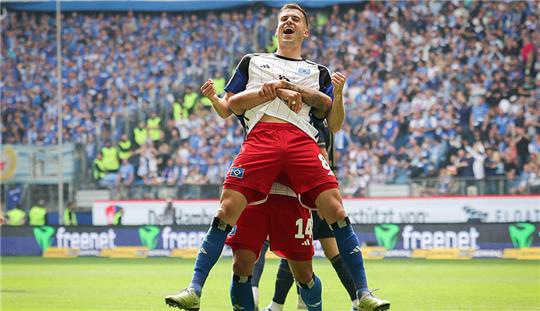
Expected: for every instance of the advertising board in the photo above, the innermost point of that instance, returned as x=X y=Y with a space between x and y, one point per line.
x=488 y=209
x=385 y=240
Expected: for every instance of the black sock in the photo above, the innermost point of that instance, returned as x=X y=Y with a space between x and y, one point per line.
x=284 y=281
x=344 y=275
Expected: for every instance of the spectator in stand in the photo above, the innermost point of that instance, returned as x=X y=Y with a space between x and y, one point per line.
x=126 y=174
x=140 y=134
x=169 y=174
x=125 y=148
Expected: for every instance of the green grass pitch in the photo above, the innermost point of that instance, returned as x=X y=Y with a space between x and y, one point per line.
x=141 y=284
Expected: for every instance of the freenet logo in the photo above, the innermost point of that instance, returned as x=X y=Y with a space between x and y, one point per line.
x=44 y=237
x=521 y=234
x=148 y=236
x=413 y=239
x=387 y=235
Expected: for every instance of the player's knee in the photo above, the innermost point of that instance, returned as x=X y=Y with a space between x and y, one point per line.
x=333 y=209
x=223 y=215
x=341 y=213
x=304 y=276
x=243 y=262
x=232 y=204
x=302 y=271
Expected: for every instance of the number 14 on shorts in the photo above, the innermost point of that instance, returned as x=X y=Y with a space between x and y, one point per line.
x=300 y=232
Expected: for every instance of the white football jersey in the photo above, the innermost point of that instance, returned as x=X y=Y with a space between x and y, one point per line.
x=256 y=69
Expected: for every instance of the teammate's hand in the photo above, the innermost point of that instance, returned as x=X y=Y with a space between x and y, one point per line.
x=268 y=90
x=208 y=89
x=338 y=81
x=292 y=98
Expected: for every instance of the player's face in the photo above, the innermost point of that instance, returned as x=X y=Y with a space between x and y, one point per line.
x=292 y=27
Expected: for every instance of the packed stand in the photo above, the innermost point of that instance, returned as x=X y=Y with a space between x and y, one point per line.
x=438 y=90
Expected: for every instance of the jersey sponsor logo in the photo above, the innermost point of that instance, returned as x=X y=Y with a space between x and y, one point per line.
x=304 y=71
x=282 y=77
x=237 y=172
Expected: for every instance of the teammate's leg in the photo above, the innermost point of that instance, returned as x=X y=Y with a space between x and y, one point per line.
x=310 y=285
x=331 y=208
x=323 y=233
x=241 y=293
x=331 y=252
x=284 y=281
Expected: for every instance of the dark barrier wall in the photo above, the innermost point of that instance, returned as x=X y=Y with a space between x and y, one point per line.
x=31 y=241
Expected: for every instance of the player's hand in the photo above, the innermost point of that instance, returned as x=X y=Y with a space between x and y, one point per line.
x=268 y=90
x=208 y=89
x=292 y=98
x=338 y=81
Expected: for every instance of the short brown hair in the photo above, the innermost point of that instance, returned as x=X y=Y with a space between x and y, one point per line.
x=295 y=6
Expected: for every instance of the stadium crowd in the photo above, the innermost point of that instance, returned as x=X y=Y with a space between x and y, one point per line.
x=435 y=89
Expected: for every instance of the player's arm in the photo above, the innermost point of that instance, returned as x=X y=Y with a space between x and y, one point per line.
x=221 y=105
x=336 y=115
x=248 y=99
x=319 y=102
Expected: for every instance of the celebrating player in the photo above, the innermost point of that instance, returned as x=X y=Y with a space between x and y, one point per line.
x=280 y=142
x=281 y=218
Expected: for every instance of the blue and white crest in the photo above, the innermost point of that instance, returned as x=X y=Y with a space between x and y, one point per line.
x=237 y=172
x=304 y=71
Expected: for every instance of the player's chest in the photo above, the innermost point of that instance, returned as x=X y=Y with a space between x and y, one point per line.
x=263 y=70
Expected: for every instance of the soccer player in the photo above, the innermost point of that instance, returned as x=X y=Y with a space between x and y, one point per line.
x=279 y=141
x=288 y=227
x=281 y=218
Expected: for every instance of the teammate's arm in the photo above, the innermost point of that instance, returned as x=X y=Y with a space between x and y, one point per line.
x=336 y=116
x=319 y=101
x=221 y=105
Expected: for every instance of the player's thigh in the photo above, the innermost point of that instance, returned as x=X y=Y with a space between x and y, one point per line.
x=302 y=270
x=251 y=230
x=232 y=204
x=257 y=165
x=306 y=167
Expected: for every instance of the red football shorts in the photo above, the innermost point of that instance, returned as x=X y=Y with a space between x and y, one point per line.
x=278 y=149
x=283 y=220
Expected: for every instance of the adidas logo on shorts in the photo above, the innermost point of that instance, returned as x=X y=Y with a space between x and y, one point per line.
x=306 y=242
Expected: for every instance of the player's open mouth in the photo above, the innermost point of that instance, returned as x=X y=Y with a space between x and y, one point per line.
x=288 y=31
